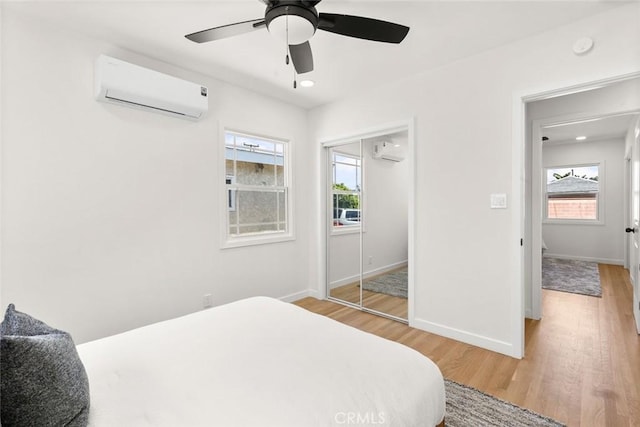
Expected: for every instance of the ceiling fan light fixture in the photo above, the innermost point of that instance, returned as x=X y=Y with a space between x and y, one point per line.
x=292 y=23
x=307 y=83
x=300 y=30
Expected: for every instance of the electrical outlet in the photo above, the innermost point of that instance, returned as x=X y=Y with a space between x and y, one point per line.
x=207 y=301
x=370 y=260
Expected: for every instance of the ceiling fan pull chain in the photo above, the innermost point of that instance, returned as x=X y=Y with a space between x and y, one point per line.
x=286 y=41
x=295 y=83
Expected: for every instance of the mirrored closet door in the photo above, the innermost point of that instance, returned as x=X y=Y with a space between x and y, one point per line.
x=367 y=230
x=344 y=236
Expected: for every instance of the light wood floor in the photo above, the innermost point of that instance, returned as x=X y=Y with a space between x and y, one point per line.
x=384 y=303
x=581 y=364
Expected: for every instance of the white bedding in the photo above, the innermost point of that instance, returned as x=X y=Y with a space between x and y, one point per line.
x=258 y=362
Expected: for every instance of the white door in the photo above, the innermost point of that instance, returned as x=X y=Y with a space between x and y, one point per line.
x=634 y=228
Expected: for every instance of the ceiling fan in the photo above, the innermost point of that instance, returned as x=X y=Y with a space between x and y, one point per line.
x=295 y=22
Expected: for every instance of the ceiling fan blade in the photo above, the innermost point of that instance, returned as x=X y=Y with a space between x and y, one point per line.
x=225 y=31
x=302 y=57
x=362 y=28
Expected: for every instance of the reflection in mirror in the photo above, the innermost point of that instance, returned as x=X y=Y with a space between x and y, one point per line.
x=343 y=239
x=385 y=244
x=367 y=229
x=346 y=189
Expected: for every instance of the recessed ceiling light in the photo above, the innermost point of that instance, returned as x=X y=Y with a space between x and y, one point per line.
x=580 y=138
x=307 y=83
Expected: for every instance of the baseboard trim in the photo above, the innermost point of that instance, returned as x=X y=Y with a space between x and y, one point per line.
x=367 y=274
x=465 y=337
x=299 y=295
x=588 y=259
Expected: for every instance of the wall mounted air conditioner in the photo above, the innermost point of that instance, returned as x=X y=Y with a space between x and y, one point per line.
x=388 y=151
x=122 y=83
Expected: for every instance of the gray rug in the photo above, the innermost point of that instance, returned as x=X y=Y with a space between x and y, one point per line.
x=393 y=283
x=468 y=407
x=568 y=275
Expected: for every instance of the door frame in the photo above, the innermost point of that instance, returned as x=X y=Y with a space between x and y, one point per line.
x=407 y=125
x=521 y=212
x=537 y=202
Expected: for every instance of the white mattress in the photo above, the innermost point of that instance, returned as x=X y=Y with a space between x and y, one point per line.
x=258 y=362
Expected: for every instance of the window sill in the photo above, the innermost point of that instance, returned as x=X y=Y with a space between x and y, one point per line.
x=253 y=240
x=338 y=231
x=573 y=222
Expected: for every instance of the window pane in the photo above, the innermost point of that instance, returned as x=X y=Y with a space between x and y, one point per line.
x=348 y=176
x=573 y=208
x=255 y=160
x=572 y=192
x=258 y=212
x=280 y=175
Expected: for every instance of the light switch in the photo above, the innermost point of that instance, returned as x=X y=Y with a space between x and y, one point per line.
x=498 y=201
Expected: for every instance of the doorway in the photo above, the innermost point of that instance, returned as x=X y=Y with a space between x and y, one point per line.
x=606 y=112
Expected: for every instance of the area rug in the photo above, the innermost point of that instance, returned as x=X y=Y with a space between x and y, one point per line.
x=568 y=275
x=393 y=283
x=467 y=407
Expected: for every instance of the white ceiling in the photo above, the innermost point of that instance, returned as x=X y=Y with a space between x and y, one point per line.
x=441 y=32
x=595 y=130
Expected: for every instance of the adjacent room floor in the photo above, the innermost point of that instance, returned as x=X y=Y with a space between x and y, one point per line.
x=582 y=360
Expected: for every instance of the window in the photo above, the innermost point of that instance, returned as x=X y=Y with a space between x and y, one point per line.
x=346 y=190
x=257 y=189
x=573 y=193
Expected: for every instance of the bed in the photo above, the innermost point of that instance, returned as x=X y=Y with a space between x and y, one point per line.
x=258 y=362
x=254 y=362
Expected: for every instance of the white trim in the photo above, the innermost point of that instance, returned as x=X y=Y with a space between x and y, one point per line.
x=344 y=281
x=517 y=301
x=555 y=90
x=585 y=258
x=466 y=337
x=365 y=275
x=299 y=295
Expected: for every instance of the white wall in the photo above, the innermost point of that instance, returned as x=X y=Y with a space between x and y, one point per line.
x=597 y=243
x=385 y=241
x=110 y=215
x=467 y=283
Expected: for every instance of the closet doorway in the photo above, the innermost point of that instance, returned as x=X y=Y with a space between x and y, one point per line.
x=368 y=187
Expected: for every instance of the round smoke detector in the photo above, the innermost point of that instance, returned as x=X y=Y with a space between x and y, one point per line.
x=583 y=45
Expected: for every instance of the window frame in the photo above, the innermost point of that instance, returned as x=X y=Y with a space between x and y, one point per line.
x=229 y=240
x=600 y=196
x=348 y=229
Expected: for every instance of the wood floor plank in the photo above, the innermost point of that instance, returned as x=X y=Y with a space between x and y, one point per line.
x=581 y=364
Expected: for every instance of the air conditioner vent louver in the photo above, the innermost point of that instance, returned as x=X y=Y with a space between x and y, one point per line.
x=388 y=151
x=122 y=83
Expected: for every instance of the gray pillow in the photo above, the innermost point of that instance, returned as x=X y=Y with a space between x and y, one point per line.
x=43 y=381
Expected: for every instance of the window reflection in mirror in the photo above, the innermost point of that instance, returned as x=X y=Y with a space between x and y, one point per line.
x=346 y=189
